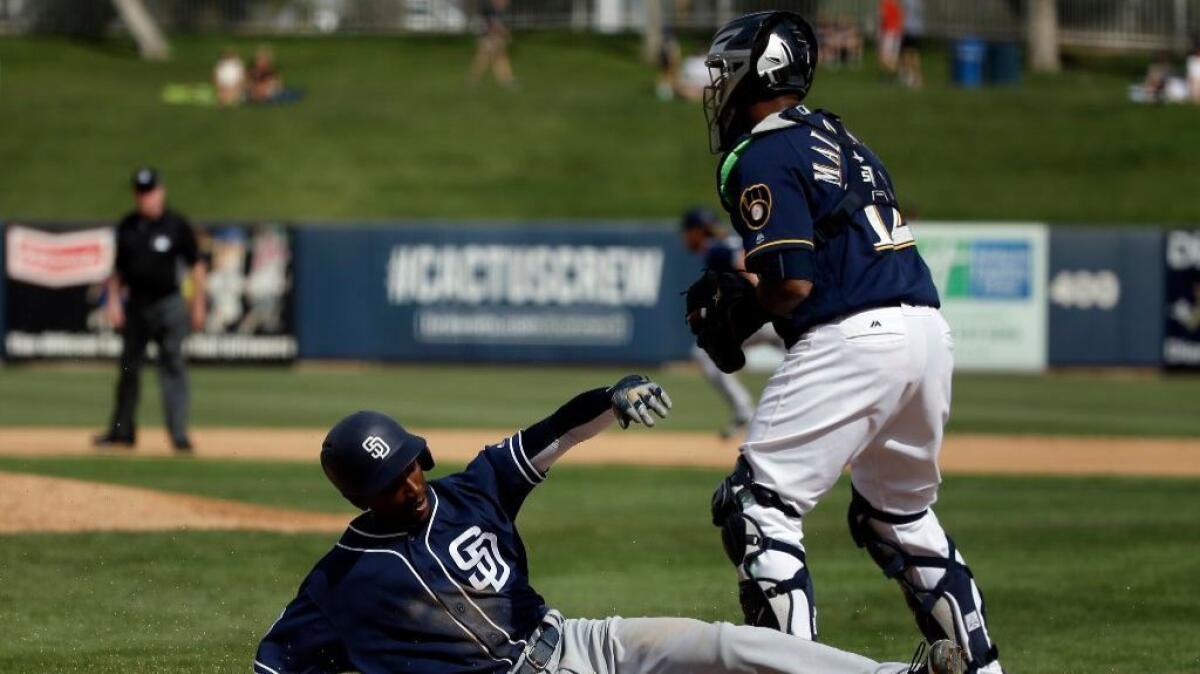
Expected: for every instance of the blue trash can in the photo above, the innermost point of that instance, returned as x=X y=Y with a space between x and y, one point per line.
x=969 y=56
x=1004 y=62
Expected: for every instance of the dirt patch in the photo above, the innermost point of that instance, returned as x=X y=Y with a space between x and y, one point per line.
x=32 y=503
x=963 y=453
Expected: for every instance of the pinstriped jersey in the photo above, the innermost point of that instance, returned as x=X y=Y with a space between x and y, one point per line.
x=812 y=202
x=452 y=596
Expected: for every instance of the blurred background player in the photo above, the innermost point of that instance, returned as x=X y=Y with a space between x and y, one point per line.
x=703 y=236
x=145 y=304
x=866 y=383
x=492 y=50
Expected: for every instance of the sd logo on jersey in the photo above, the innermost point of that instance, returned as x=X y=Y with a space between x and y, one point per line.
x=755 y=205
x=478 y=552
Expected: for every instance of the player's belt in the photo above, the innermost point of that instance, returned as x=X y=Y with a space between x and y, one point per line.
x=543 y=645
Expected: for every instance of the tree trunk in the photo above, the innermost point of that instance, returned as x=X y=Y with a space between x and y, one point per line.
x=652 y=32
x=150 y=40
x=1042 y=32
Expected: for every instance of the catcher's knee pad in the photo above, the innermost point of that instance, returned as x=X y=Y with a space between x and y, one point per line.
x=776 y=589
x=952 y=608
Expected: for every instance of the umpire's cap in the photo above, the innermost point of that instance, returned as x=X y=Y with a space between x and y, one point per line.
x=145 y=178
x=367 y=451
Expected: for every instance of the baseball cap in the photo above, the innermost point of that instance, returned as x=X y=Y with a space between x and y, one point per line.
x=698 y=218
x=145 y=178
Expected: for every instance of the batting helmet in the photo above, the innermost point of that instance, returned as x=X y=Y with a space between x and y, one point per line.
x=366 y=452
x=752 y=58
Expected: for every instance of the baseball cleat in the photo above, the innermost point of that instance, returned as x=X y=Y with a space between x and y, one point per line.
x=943 y=657
x=110 y=441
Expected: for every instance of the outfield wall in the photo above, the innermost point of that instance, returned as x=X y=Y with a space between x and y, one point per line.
x=1020 y=297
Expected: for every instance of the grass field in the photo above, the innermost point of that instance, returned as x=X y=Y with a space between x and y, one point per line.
x=1095 y=575
x=483 y=397
x=389 y=130
x=1082 y=574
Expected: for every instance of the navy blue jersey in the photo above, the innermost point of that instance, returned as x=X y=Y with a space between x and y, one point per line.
x=450 y=597
x=723 y=254
x=453 y=596
x=811 y=202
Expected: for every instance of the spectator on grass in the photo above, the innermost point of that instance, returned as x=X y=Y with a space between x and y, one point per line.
x=229 y=78
x=911 y=74
x=266 y=84
x=492 y=50
x=891 y=30
x=670 y=58
x=843 y=43
x=1158 y=75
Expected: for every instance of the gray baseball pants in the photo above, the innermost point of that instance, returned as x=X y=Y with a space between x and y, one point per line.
x=166 y=323
x=686 y=646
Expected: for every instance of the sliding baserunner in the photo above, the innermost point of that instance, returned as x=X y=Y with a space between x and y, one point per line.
x=433 y=579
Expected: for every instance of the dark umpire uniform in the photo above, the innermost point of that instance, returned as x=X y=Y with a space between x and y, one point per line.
x=152 y=243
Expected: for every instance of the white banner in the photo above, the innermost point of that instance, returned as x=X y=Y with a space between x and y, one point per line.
x=992 y=282
x=59 y=260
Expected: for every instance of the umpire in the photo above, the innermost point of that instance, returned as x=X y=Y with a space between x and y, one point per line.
x=154 y=244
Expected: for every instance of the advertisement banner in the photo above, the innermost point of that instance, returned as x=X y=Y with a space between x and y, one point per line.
x=1181 y=341
x=1104 y=289
x=992 y=282
x=56 y=293
x=517 y=294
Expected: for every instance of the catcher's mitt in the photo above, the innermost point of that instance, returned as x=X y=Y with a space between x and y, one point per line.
x=722 y=311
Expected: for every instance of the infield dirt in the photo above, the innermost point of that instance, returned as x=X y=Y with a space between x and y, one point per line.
x=30 y=503
x=962 y=453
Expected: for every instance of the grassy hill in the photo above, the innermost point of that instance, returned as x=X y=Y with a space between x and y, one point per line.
x=389 y=129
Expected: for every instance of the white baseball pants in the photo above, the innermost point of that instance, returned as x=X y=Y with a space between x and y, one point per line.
x=685 y=646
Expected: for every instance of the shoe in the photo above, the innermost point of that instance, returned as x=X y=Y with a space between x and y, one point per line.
x=110 y=441
x=183 y=446
x=943 y=657
x=733 y=428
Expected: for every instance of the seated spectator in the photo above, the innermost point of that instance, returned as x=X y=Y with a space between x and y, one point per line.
x=843 y=42
x=265 y=83
x=693 y=77
x=229 y=78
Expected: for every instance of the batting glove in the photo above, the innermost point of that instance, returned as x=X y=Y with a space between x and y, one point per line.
x=634 y=397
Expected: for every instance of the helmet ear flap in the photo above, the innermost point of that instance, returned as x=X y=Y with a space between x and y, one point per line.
x=425 y=460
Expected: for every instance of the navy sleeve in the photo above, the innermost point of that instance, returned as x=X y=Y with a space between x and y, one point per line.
x=504 y=473
x=511 y=469
x=302 y=641
x=771 y=212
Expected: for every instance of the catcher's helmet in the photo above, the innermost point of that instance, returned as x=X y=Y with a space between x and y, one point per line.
x=752 y=58
x=366 y=452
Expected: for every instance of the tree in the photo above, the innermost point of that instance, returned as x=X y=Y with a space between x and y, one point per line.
x=151 y=42
x=1042 y=35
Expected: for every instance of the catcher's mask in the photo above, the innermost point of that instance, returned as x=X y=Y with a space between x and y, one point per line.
x=752 y=58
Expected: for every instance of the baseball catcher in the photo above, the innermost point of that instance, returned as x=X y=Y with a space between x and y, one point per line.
x=432 y=578
x=866 y=380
